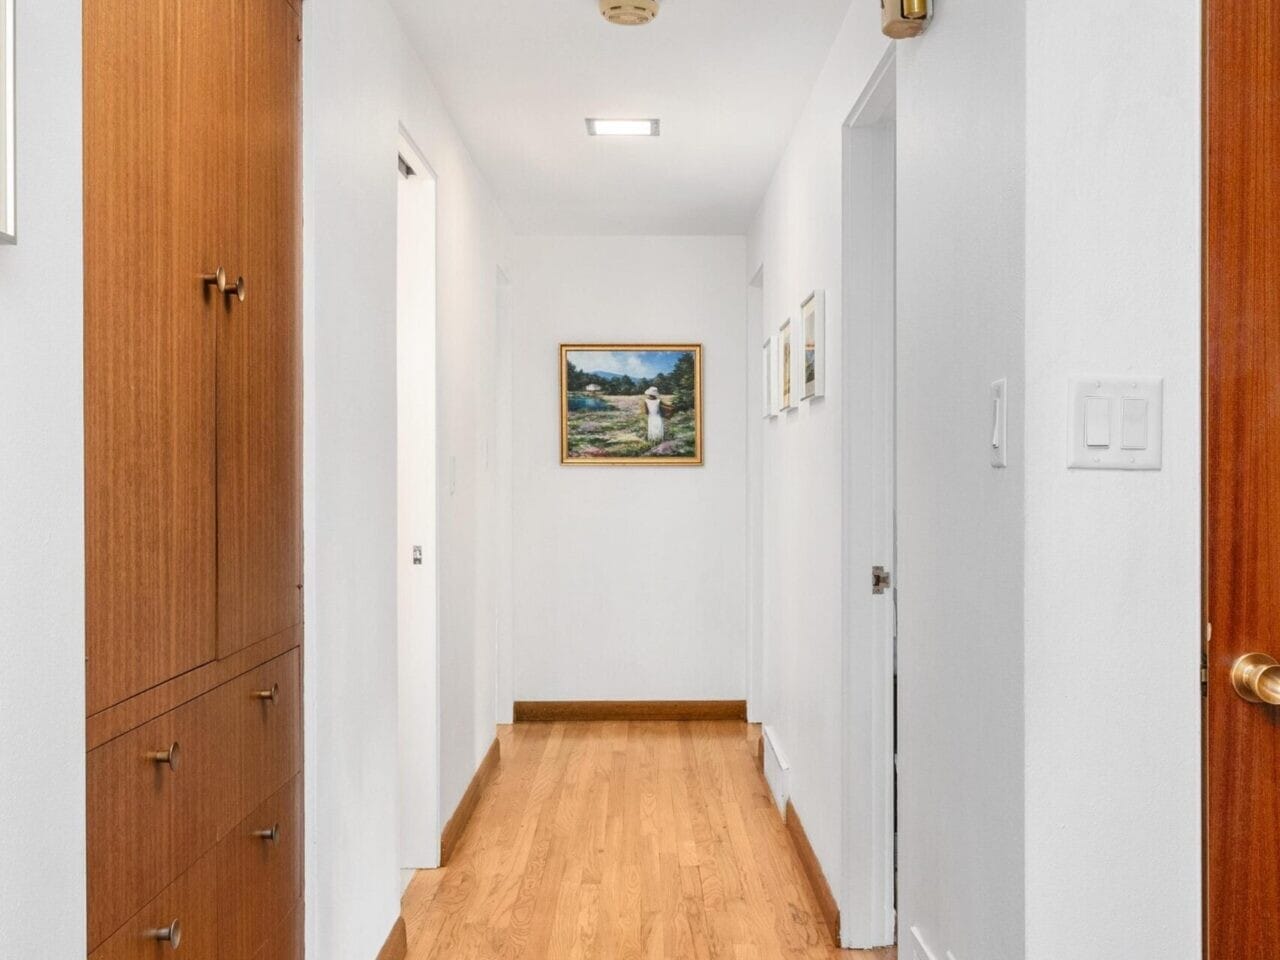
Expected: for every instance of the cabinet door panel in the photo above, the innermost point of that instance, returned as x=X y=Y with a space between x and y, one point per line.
x=260 y=875
x=148 y=821
x=191 y=902
x=259 y=356
x=160 y=156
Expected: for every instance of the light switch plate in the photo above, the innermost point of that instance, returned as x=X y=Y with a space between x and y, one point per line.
x=1000 y=423
x=1129 y=444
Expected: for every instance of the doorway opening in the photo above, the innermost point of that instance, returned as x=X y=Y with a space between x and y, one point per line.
x=416 y=562
x=868 y=355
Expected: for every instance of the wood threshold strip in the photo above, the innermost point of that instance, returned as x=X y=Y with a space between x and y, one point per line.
x=397 y=945
x=451 y=836
x=813 y=870
x=564 y=711
x=115 y=721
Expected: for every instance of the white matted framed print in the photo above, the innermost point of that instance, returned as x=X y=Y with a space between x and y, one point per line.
x=768 y=379
x=813 y=324
x=8 y=127
x=786 y=366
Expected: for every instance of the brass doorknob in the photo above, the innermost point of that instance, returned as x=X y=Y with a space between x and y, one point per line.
x=270 y=835
x=172 y=935
x=1256 y=678
x=270 y=696
x=171 y=758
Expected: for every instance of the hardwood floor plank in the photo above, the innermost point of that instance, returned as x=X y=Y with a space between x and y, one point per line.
x=622 y=840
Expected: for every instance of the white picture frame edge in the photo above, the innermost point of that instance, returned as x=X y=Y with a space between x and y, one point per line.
x=8 y=124
x=769 y=400
x=787 y=332
x=818 y=301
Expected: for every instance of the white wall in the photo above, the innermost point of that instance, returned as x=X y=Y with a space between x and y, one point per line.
x=1049 y=225
x=42 y=832
x=796 y=236
x=629 y=581
x=1113 y=286
x=361 y=82
x=960 y=522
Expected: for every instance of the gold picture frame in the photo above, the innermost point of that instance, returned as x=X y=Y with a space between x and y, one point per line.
x=599 y=427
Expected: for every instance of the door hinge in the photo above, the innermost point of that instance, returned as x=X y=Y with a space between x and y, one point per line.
x=880 y=580
x=417 y=556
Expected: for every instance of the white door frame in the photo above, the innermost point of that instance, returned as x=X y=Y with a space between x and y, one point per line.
x=417 y=588
x=755 y=334
x=868 y=351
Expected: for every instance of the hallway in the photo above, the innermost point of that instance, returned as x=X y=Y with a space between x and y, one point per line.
x=615 y=840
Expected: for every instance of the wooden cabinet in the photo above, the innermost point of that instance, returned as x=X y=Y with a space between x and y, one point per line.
x=193 y=509
x=155 y=807
x=182 y=920
x=264 y=707
x=259 y=431
x=260 y=874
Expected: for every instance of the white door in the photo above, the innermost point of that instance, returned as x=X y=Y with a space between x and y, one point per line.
x=867 y=908
x=419 y=700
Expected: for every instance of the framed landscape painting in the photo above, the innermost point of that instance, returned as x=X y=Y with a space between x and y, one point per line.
x=628 y=404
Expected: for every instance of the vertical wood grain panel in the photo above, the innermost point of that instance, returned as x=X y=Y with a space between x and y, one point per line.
x=258 y=881
x=148 y=823
x=192 y=901
x=159 y=181
x=1242 y=471
x=259 y=356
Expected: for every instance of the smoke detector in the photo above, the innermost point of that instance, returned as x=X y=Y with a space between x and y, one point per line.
x=629 y=13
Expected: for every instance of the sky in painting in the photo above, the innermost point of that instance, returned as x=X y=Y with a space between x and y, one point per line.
x=637 y=364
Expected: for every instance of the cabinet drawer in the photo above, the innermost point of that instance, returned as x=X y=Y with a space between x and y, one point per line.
x=265 y=708
x=260 y=875
x=191 y=903
x=288 y=943
x=154 y=806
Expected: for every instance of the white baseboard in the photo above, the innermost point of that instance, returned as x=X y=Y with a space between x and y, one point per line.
x=777 y=771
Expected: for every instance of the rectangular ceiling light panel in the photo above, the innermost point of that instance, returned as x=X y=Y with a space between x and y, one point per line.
x=623 y=128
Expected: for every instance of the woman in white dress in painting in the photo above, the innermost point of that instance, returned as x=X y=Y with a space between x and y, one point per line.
x=653 y=406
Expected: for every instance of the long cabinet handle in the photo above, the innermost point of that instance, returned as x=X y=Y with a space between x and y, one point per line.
x=171 y=758
x=172 y=934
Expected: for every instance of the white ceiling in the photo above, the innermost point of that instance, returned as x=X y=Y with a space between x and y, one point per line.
x=728 y=79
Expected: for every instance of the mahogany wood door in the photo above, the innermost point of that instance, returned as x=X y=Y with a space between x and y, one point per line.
x=160 y=95
x=1241 y=473
x=259 y=355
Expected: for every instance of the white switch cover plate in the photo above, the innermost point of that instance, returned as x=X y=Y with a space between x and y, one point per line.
x=1000 y=423
x=1117 y=423
x=918 y=950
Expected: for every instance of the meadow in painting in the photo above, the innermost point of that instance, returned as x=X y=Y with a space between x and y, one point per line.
x=631 y=405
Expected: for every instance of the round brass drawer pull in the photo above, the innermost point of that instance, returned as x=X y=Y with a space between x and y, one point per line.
x=172 y=935
x=270 y=696
x=216 y=279
x=271 y=835
x=219 y=279
x=1256 y=678
x=171 y=758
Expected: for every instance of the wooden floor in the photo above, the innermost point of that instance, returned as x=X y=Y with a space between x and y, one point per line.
x=611 y=841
